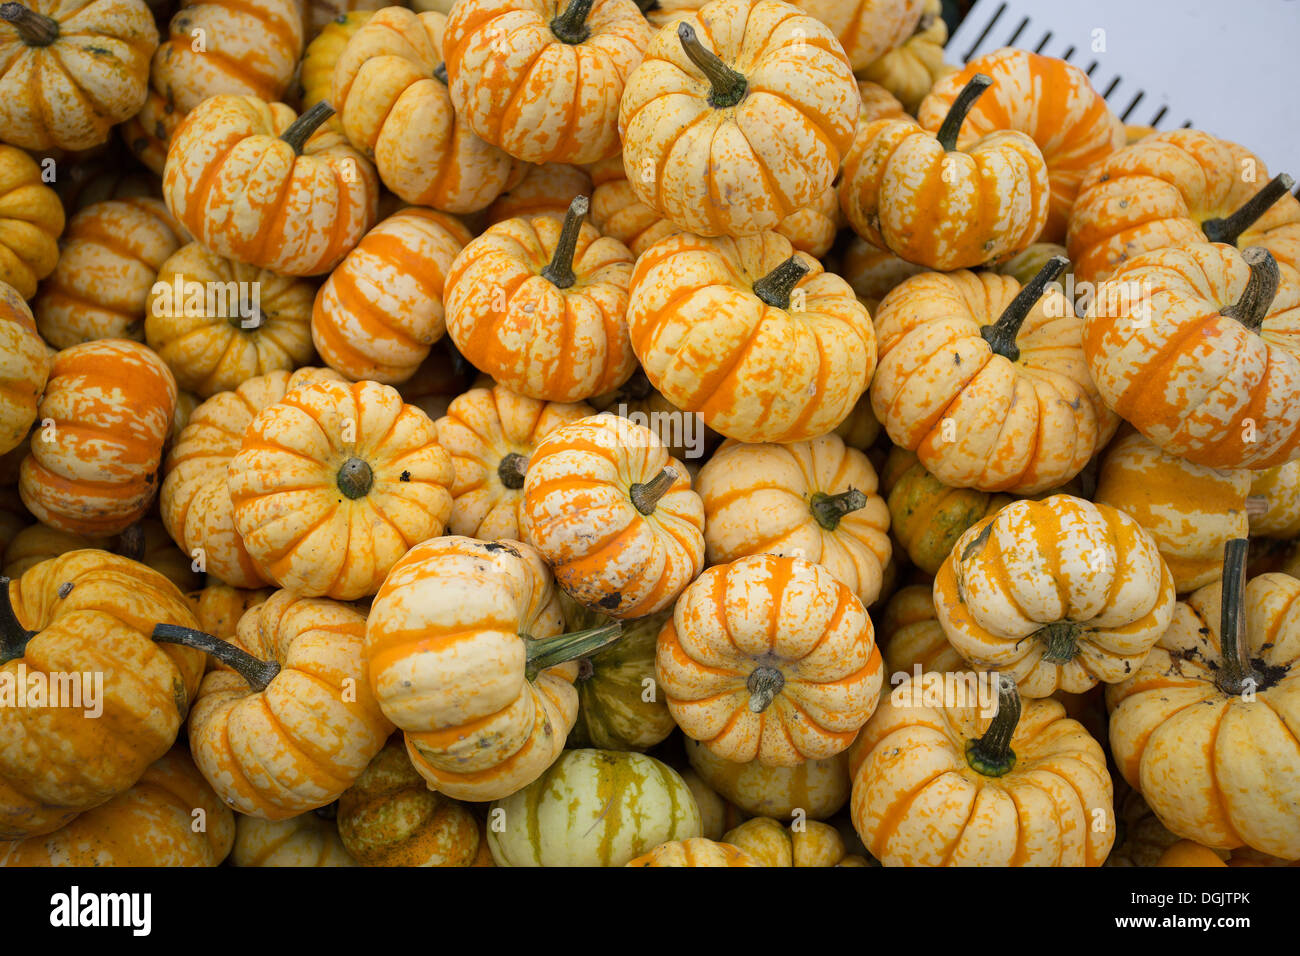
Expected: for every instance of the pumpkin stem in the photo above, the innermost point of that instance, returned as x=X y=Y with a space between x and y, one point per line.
x=1001 y=335
x=646 y=494
x=947 y=135
x=34 y=29
x=1062 y=639
x=991 y=754
x=305 y=125
x=774 y=288
x=571 y=25
x=131 y=543
x=763 y=685
x=729 y=86
x=926 y=21
x=1258 y=295
x=559 y=271
x=550 y=651
x=1236 y=676
x=511 y=470
x=355 y=478
x=13 y=636
x=829 y=509
x=440 y=73
x=258 y=673
x=1229 y=228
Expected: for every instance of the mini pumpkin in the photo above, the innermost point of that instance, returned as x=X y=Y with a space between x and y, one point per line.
x=88 y=611
x=717 y=816
x=593 y=808
x=809 y=843
x=952 y=785
x=256 y=184
x=753 y=336
x=1051 y=101
x=545 y=190
x=287 y=722
x=107 y=410
x=738 y=116
x=37 y=543
x=1201 y=728
x=72 y=69
x=491 y=435
x=169 y=817
x=910 y=69
x=769 y=658
x=1205 y=361
x=465 y=654
x=388 y=817
x=816 y=789
x=815 y=500
x=696 y=851
x=872 y=272
x=217 y=322
x=986 y=381
x=391 y=92
x=516 y=69
x=308 y=839
x=333 y=483
x=1059 y=594
x=614 y=516
x=316 y=71
x=540 y=305
x=111 y=255
x=219 y=607
x=927 y=201
x=380 y=311
x=195 y=503
x=911 y=635
x=867 y=29
x=24 y=368
x=31 y=220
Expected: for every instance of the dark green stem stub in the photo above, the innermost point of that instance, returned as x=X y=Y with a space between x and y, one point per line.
x=729 y=86
x=258 y=673
x=1001 y=335
x=305 y=125
x=645 y=495
x=1260 y=289
x=511 y=470
x=774 y=289
x=947 y=135
x=991 y=754
x=1237 y=675
x=355 y=479
x=1229 y=228
x=550 y=651
x=1062 y=639
x=571 y=25
x=34 y=29
x=440 y=73
x=829 y=509
x=559 y=271
x=13 y=636
x=763 y=685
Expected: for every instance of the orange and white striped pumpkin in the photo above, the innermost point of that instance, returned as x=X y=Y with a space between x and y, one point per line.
x=24 y=367
x=866 y=29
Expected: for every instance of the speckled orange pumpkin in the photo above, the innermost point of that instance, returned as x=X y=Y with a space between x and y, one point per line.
x=866 y=29
x=24 y=367
x=697 y=851
x=316 y=71
x=31 y=220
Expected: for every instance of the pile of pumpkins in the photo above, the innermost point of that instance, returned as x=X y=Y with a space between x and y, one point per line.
x=583 y=432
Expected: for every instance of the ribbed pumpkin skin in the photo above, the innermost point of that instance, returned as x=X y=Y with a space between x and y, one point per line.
x=316 y=73
x=481 y=428
x=390 y=817
x=944 y=209
x=381 y=311
x=1158 y=193
x=739 y=170
x=156 y=822
x=1196 y=382
x=753 y=371
x=758 y=499
x=1189 y=510
x=302 y=527
x=112 y=252
x=70 y=93
x=1049 y=100
x=24 y=367
x=1020 y=426
x=910 y=69
x=246 y=194
x=111 y=404
x=594 y=808
x=299 y=743
x=779 y=615
x=398 y=113
x=445 y=656
x=695 y=852
x=304 y=840
x=1280 y=489
x=580 y=514
x=809 y=843
x=910 y=634
x=545 y=190
x=613 y=683
x=817 y=787
x=867 y=29
x=37 y=543
x=716 y=814
x=195 y=503
x=104 y=623
x=1218 y=768
x=211 y=346
x=524 y=102
x=872 y=272
x=918 y=802
x=218 y=607
x=31 y=220
x=576 y=344
x=1061 y=562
